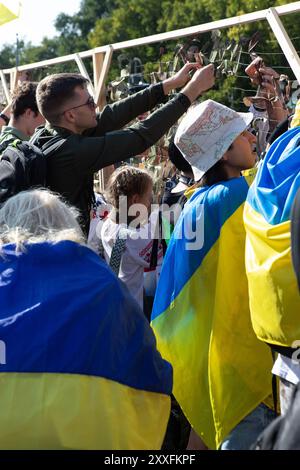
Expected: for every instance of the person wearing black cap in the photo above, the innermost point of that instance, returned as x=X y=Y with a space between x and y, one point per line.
x=176 y=187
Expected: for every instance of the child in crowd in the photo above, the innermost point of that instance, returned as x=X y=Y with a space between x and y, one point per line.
x=173 y=192
x=128 y=234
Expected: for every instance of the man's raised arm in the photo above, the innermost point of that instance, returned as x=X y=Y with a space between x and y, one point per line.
x=119 y=145
x=117 y=115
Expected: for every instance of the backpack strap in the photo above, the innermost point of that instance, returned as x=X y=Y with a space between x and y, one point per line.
x=156 y=241
x=154 y=252
x=52 y=145
x=6 y=143
x=101 y=249
x=16 y=142
x=274 y=386
x=118 y=250
x=37 y=134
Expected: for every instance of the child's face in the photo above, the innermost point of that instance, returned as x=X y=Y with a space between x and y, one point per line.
x=241 y=156
x=145 y=198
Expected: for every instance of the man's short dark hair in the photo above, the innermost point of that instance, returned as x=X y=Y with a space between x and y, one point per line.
x=55 y=91
x=23 y=98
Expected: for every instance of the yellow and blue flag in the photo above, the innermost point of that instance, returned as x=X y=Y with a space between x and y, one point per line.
x=273 y=291
x=81 y=368
x=201 y=315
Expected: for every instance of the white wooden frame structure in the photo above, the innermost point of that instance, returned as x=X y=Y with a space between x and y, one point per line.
x=102 y=56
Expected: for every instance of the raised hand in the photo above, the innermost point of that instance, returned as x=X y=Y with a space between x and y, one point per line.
x=180 y=78
x=202 y=80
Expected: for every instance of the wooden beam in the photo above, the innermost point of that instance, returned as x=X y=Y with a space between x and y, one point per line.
x=98 y=59
x=100 y=90
x=179 y=33
x=5 y=87
x=101 y=64
x=13 y=79
x=104 y=176
x=44 y=63
x=284 y=41
x=84 y=72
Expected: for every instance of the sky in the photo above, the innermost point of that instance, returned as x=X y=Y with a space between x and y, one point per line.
x=36 y=20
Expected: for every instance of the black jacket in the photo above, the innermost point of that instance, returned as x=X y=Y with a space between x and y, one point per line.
x=70 y=169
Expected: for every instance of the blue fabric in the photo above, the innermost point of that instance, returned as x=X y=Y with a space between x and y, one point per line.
x=62 y=310
x=278 y=179
x=216 y=213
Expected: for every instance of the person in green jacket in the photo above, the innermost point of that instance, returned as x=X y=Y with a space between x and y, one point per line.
x=94 y=141
x=24 y=114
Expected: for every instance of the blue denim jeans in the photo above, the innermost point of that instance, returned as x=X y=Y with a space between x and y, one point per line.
x=243 y=436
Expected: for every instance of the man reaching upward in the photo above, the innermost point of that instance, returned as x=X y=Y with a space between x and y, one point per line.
x=94 y=141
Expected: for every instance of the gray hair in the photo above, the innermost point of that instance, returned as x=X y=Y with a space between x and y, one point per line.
x=37 y=216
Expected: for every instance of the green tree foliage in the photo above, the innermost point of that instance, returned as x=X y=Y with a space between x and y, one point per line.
x=8 y=56
x=74 y=29
x=182 y=14
x=101 y=22
x=72 y=37
x=136 y=18
x=129 y=20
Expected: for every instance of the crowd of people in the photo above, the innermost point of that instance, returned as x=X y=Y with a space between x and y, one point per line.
x=134 y=325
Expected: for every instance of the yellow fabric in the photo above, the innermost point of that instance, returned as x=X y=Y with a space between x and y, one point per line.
x=6 y=15
x=64 y=411
x=190 y=191
x=221 y=370
x=274 y=296
x=250 y=175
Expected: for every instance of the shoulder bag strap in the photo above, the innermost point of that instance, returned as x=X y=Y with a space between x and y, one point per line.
x=118 y=250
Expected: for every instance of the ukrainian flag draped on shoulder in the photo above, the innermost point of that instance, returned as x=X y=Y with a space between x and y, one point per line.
x=201 y=315
x=81 y=369
x=273 y=291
